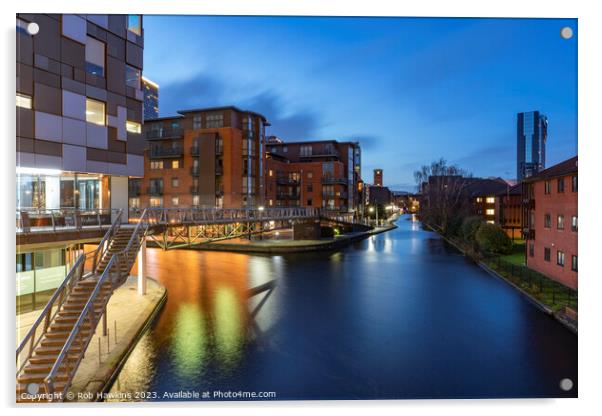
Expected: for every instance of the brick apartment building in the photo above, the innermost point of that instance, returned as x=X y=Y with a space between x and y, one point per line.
x=205 y=158
x=324 y=174
x=550 y=217
x=509 y=211
x=482 y=193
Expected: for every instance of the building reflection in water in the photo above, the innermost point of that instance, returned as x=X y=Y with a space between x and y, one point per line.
x=207 y=319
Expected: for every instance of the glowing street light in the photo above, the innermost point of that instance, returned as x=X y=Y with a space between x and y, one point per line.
x=261 y=208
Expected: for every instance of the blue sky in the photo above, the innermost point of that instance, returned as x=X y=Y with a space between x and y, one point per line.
x=410 y=90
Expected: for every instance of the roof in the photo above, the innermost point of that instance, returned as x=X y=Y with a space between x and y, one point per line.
x=283 y=143
x=564 y=168
x=227 y=107
x=483 y=187
x=513 y=190
x=150 y=120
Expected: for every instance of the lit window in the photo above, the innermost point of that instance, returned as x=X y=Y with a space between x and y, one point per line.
x=135 y=23
x=271 y=172
x=95 y=57
x=490 y=200
x=132 y=77
x=23 y=101
x=156 y=164
x=156 y=201
x=490 y=211
x=574 y=223
x=490 y=222
x=175 y=182
x=134 y=202
x=310 y=175
x=95 y=112
x=133 y=127
x=175 y=201
x=574 y=263
x=560 y=222
x=195 y=200
x=175 y=164
x=479 y=200
x=271 y=202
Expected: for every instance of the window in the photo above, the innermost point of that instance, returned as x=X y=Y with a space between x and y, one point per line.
x=560 y=258
x=490 y=200
x=175 y=201
x=574 y=183
x=490 y=222
x=133 y=127
x=135 y=24
x=156 y=164
x=196 y=200
x=310 y=188
x=132 y=77
x=134 y=202
x=546 y=254
x=215 y=120
x=574 y=223
x=479 y=200
x=309 y=202
x=175 y=164
x=310 y=175
x=95 y=112
x=305 y=150
x=285 y=149
x=531 y=249
x=490 y=211
x=196 y=122
x=547 y=188
x=156 y=201
x=560 y=185
x=560 y=222
x=547 y=221
x=23 y=101
x=95 y=57
x=175 y=182
x=24 y=262
x=574 y=263
x=270 y=172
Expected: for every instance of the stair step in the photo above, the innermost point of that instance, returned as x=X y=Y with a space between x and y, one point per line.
x=56 y=350
x=39 y=378
x=49 y=359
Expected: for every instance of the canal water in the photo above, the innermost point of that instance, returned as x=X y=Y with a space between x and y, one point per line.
x=398 y=315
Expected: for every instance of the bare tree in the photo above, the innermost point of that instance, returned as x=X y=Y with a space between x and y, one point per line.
x=442 y=187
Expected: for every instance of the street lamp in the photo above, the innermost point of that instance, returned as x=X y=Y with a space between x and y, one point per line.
x=261 y=208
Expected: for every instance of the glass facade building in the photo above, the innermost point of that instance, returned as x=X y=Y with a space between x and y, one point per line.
x=532 y=133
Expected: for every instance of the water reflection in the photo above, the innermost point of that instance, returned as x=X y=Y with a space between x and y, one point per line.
x=398 y=315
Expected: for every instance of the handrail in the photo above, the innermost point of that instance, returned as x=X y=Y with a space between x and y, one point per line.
x=47 y=311
x=101 y=246
x=49 y=379
x=115 y=262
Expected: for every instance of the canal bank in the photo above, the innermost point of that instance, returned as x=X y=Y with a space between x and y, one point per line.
x=558 y=315
x=291 y=246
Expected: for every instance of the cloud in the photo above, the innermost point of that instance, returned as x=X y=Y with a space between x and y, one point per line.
x=205 y=91
x=495 y=160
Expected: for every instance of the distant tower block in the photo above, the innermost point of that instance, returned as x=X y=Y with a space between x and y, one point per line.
x=378 y=177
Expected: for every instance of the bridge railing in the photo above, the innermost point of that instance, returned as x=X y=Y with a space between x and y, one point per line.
x=38 y=220
x=222 y=215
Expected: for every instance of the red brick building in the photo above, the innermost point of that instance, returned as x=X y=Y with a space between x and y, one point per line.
x=509 y=211
x=323 y=174
x=203 y=158
x=550 y=217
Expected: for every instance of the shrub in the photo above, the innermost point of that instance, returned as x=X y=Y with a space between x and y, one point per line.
x=470 y=226
x=491 y=238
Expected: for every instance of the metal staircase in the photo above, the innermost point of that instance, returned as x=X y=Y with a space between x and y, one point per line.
x=50 y=353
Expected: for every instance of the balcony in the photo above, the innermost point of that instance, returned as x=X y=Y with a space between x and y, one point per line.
x=154 y=190
x=322 y=153
x=195 y=151
x=219 y=170
x=134 y=190
x=327 y=195
x=194 y=171
x=292 y=196
x=333 y=180
x=283 y=180
x=164 y=134
x=194 y=189
x=161 y=152
x=219 y=150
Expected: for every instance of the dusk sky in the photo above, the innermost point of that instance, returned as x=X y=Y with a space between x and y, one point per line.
x=410 y=90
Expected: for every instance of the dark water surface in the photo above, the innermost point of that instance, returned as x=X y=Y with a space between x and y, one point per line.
x=399 y=315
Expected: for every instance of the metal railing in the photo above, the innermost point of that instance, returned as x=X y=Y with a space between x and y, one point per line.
x=158 y=151
x=77 y=272
x=37 y=220
x=164 y=134
x=333 y=180
x=115 y=274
